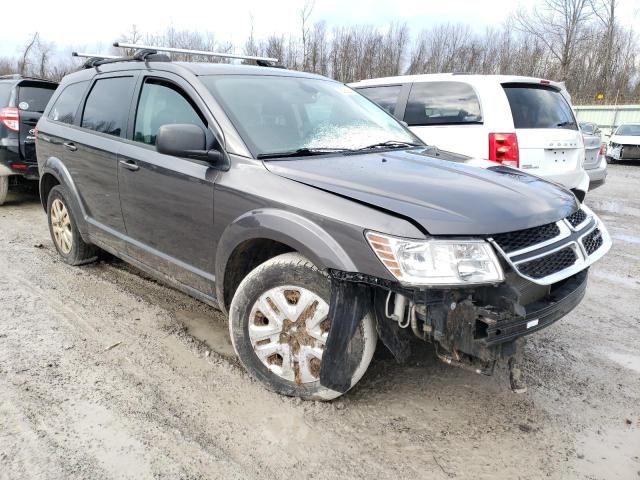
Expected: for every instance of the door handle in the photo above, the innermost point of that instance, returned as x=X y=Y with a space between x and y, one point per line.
x=130 y=165
x=70 y=146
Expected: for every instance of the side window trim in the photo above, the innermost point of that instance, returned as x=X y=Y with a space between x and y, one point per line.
x=403 y=98
x=119 y=74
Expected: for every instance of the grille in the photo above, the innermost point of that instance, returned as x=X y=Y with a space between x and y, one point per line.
x=512 y=241
x=577 y=218
x=550 y=264
x=593 y=241
x=631 y=151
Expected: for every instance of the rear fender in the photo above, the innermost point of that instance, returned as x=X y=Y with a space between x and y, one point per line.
x=55 y=167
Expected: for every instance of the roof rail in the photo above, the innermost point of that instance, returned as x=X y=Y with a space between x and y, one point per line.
x=262 y=61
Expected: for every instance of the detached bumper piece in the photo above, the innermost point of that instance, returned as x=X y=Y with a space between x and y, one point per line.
x=563 y=298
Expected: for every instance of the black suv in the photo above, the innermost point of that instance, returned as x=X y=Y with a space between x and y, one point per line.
x=309 y=215
x=22 y=101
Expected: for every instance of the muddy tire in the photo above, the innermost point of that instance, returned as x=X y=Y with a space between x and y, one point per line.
x=64 y=232
x=278 y=325
x=4 y=189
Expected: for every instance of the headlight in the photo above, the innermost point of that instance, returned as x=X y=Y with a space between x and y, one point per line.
x=437 y=262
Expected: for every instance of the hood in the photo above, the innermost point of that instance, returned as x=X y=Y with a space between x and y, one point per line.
x=625 y=139
x=444 y=197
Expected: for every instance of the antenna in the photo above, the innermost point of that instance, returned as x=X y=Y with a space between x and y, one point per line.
x=194 y=52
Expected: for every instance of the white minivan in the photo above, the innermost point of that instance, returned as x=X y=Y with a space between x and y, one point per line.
x=522 y=122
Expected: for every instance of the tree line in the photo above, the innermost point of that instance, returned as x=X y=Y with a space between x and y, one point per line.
x=579 y=42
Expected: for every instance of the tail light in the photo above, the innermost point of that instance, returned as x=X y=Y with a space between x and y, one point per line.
x=603 y=149
x=10 y=118
x=503 y=148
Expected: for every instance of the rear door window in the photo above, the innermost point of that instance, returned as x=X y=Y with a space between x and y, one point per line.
x=538 y=106
x=66 y=105
x=34 y=98
x=385 y=96
x=162 y=103
x=107 y=105
x=442 y=103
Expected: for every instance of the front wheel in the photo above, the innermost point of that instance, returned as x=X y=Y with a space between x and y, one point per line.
x=279 y=325
x=4 y=189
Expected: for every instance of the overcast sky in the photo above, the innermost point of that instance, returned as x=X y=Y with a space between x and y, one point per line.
x=85 y=24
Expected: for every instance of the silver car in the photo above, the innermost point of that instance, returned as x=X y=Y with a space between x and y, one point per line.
x=595 y=163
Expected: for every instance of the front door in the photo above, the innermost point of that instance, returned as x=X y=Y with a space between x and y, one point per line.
x=167 y=202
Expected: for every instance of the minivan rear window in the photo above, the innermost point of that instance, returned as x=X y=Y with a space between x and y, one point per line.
x=442 y=103
x=538 y=106
x=34 y=98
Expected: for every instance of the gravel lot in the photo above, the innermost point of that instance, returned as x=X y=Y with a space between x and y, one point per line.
x=168 y=400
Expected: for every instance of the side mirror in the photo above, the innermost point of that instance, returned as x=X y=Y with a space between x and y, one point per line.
x=185 y=140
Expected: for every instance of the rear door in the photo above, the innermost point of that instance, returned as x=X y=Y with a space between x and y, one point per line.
x=32 y=99
x=549 y=140
x=91 y=153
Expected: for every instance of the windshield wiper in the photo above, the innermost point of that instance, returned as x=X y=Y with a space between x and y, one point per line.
x=390 y=144
x=301 y=152
x=565 y=124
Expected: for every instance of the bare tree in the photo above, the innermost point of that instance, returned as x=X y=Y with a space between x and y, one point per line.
x=560 y=26
x=23 y=63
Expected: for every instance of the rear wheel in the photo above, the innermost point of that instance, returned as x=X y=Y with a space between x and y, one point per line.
x=64 y=232
x=279 y=325
x=610 y=160
x=4 y=189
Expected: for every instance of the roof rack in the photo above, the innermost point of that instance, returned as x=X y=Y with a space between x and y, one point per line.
x=91 y=55
x=92 y=58
x=262 y=61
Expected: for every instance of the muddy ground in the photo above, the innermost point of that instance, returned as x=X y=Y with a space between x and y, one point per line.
x=107 y=374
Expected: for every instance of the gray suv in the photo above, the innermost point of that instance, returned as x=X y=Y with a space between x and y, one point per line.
x=315 y=220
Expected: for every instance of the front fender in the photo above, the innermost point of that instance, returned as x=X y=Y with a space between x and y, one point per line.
x=55 y=167
x=296 y=231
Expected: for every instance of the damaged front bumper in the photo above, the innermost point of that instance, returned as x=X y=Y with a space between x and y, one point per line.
x=470 y=327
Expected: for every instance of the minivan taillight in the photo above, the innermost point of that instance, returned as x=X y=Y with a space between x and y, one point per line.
x=603 y=149
x=10 y=118
x=503 y=148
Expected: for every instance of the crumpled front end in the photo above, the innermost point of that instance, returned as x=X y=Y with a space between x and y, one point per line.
x=545 y=277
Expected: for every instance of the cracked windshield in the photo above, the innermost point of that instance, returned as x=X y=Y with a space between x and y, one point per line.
x=284 y=115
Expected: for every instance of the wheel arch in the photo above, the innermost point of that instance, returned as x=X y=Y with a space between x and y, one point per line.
x=53 y=173
x=259 y=235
